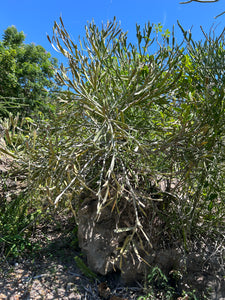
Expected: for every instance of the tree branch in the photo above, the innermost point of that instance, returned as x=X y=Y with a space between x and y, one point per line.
x=219 y=15
x=200 y=1
x=204 y=1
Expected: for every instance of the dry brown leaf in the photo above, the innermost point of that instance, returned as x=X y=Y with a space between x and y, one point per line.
x=104 y=290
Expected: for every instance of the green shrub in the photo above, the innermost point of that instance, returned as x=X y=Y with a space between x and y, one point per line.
x=16 y=226
x=134 y=117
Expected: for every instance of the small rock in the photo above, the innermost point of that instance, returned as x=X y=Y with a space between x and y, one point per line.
x=74 y=296
x=61 y=291
x=70 y=286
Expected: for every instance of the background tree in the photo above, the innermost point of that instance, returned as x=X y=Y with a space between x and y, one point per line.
x=26 y=73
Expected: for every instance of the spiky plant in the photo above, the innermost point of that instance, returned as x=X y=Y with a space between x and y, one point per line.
x=109 y=124
x=127 y=125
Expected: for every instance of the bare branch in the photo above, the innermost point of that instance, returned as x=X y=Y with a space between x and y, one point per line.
x=219 y=15
x=186 y=2
x=200 y=1
x=204 y=1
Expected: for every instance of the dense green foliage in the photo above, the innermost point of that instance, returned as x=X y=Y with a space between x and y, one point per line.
x=26 y=74
x=27 y=89
x=15 y=223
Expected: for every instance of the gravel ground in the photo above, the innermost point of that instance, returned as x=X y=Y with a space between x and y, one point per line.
x=52 y=280
x=51 y=273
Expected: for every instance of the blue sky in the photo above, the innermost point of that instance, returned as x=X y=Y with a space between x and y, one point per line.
x=36 y=18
